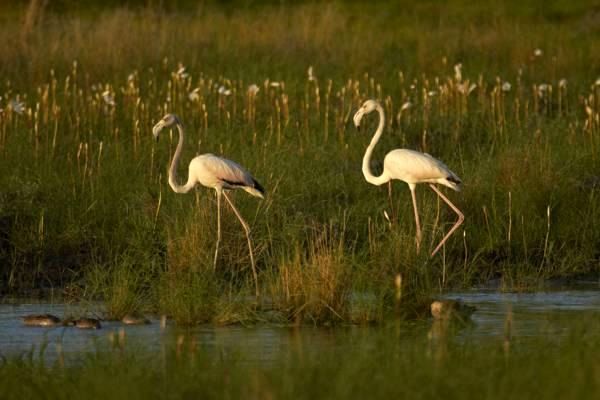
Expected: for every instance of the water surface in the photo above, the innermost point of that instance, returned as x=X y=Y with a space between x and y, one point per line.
x=531 y=315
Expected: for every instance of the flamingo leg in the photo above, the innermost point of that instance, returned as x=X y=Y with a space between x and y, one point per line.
x=218 y=229
x=461 y=218
x=247 y=230
x=414 y=201
x=390 y=198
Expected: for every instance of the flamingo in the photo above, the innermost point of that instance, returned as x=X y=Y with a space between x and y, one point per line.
x=213 y=172
x=410 y=166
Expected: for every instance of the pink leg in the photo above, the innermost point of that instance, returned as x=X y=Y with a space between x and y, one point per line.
x=390 y=198
x=414 y=200
x=461 y=218
x=218 y=229
x=247 y=230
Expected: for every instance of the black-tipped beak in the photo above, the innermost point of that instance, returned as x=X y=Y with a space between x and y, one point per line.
x=358 y=127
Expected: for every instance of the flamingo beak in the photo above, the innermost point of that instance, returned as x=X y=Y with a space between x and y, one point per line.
x=357 y=118
x=157 y=128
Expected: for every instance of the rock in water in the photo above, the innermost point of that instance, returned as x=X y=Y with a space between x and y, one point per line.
x=45 y=320
x=85 y=323
x=130 y=319
x=448 y=309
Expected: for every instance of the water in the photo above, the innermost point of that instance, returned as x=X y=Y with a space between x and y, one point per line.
x=532 y=315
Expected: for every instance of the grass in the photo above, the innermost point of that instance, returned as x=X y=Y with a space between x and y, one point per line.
x=315 y=284
x=395 y=360
x=85 y=199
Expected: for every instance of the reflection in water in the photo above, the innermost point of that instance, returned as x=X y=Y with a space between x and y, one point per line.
x=506 y=316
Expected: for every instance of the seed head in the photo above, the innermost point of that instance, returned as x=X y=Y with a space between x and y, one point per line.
x=562 y=83
x=108 y=97
x=311 y=77
x=17 y=106
x=194 y=95
x=458 y=72
x=224 y=91
x=253 y=89
x=181 y=74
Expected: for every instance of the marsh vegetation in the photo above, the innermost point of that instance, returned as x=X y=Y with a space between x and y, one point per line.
x=508 y=97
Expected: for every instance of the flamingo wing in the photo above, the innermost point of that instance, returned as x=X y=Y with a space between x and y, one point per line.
x=214 y=171
x=416 y=167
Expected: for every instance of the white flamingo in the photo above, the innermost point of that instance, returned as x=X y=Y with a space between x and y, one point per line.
x=214 y=172
x=411 y=167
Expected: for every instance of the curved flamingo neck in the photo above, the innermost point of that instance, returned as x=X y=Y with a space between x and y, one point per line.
x=175 y=162
x=366 y=164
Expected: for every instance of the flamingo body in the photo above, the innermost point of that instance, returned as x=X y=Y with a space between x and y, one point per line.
x=220 y=173
x=415 y=167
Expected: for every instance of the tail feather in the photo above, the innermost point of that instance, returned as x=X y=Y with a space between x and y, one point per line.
x=256 y=189
x=452 y=181
x=258 y=186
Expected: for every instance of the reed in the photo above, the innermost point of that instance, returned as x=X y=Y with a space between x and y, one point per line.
x=314 y=285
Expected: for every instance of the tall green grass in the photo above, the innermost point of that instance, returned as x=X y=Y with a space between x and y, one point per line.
x=85 y=199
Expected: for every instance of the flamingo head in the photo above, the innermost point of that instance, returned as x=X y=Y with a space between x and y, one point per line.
x=167 y=121
x=367 y=107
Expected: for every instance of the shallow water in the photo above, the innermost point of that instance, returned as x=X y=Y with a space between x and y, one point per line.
x=531 y=315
